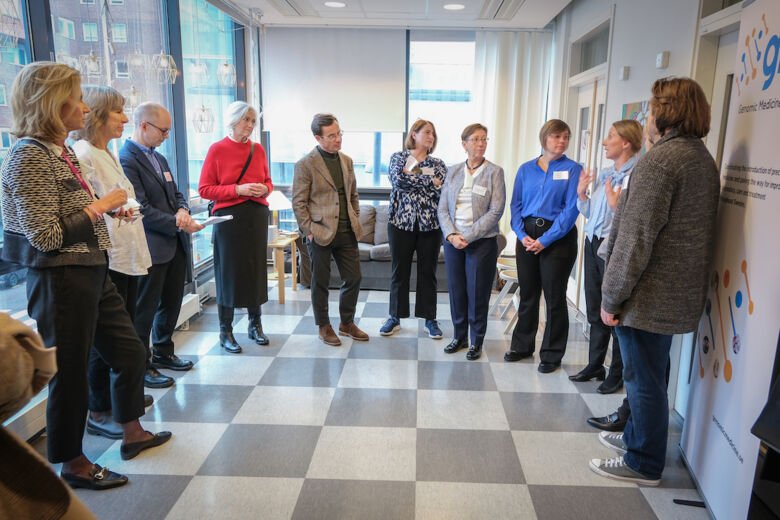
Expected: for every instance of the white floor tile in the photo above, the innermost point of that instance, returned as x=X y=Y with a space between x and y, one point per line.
x=286 y=405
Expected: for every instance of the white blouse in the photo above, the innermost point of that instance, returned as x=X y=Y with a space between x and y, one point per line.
x=464 y=216
x=129 y=253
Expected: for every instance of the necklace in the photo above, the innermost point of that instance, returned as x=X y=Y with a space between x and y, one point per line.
x=471 y=169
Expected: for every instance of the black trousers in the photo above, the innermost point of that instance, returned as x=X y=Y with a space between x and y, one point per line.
x=159 y=301
x=599 y=333
x=98 y=371
x=471 y=273
x=70 y=304
x=548 y=271
x=344 y=250
x=403 y=245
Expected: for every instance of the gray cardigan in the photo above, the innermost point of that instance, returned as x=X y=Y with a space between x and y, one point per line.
x=660 y=250
x=487 y=208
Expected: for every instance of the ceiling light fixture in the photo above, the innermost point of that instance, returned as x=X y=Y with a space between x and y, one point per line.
x=454 y=7
x=335 y=5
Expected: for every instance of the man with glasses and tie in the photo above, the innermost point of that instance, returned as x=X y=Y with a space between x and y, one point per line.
x=168 y=225
x=326 y=206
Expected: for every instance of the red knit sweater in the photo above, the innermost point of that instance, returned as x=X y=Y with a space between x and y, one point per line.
x=221 y=170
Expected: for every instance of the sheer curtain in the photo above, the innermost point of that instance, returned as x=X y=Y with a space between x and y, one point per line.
x=511 y=83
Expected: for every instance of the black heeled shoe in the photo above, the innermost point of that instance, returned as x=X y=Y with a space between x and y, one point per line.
x=228 y=342
x=255 y=332
x=588 y=373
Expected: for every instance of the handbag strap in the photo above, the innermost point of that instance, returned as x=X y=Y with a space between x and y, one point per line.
x=246 y=164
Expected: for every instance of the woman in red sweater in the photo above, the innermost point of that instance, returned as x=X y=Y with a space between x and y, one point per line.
x=235 y=176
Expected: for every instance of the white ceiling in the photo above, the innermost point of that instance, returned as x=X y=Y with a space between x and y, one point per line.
x=478 y=14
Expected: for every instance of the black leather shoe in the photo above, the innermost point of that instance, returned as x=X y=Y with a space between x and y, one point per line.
x=106 y=427
x=546 y=368
x=131 y=449
x=513 y=355
x=611 y=385
x=148 y=400
x=256 y=334
x=608 y=423
x=154 y=379
x=100 y=478
x=474 y=352
x=588 y=373
x=229 y=343
x=171 y=362
x=455 y=345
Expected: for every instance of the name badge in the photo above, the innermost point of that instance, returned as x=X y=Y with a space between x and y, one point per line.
x=427 y=170
x=561 y=176
x=168 y=177
x=624 y=186
x=479 y=190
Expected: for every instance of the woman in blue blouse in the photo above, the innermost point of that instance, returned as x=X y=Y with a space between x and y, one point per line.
x=544 y=210
x=416 y=179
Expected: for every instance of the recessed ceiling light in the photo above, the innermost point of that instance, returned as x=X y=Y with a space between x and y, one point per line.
x=454 y=7
x=335 y=5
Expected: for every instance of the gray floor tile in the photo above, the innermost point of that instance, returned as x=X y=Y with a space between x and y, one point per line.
x=146 y=496
x=661 y=500
x=467 y=456
x=375 y=310
x=303 y=372
x=380 y=347
x=206 y=321
x=307 y=325
x=249 y=450
x=459 y=501
x=546 y=412
x=202 y=403
x=590 y=503
x=440 y=375
x=288 y=308
x=355 y=500
x=373 y=407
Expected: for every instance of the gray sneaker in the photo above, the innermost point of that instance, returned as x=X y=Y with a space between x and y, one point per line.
x=617 y=469
x=614 y=441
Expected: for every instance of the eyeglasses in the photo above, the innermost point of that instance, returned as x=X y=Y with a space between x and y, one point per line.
x=163 y=131
x=333 y=137
x=477 y=139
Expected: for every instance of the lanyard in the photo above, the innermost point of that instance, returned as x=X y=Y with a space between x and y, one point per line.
x=76 y=173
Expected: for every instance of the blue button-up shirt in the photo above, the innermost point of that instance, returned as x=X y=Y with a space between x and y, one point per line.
x=551 y=196
x=149 y=153
x=596 y=209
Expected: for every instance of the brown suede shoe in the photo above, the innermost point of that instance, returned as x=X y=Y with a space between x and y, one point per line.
x=328 y=336
x=352 y=330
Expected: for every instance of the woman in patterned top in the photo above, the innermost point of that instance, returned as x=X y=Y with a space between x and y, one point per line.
x=54 y=226
x=416 y=179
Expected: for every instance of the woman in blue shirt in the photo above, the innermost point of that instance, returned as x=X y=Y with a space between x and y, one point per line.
x=413 y=227
x=621 y=145
x=544 y=210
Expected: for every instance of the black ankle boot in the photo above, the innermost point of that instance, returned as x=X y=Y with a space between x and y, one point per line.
x=255 y=331
x=228 y=341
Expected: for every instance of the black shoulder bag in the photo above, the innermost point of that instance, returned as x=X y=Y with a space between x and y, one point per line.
x=243 y=171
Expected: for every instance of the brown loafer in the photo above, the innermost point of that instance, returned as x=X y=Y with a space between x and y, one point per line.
x=352 y=330
x=328 y=336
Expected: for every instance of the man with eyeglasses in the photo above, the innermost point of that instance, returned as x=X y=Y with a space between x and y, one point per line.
x=326 y=206
x=168 y=225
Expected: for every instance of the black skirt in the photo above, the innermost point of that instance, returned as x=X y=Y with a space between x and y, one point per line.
x=240 y=252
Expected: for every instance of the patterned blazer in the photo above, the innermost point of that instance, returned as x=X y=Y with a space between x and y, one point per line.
x=414 y=198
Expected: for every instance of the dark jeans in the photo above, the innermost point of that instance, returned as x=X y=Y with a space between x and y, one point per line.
x=645 y=362
x=98 y=371
x=599 y=333
x=77 y=307
x=548 y=271
x=403 y=245
x=159 y=301
x=471 y=273
x=344 y=250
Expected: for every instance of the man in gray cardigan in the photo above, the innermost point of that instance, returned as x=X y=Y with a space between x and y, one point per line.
x=659 y=258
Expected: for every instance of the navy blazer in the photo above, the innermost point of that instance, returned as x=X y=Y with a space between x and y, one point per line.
x=159 y=202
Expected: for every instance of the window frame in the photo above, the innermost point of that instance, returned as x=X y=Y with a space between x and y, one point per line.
x=84 y=26
x=121 y=29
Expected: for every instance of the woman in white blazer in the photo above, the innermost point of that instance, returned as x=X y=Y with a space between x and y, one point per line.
x=471 y=204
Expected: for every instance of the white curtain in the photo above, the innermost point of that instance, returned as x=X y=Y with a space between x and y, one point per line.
x=511 y=83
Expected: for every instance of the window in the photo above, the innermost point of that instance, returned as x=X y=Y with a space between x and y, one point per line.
x=66 y=28
x=440 y=81
x=87 y=2
x=117 y=2
x=7 y=139
x=121 y=70
x=3 y=98
x=119 y=33
x=90 y=31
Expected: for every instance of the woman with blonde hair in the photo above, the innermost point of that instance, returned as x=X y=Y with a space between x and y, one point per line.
x=55 y=226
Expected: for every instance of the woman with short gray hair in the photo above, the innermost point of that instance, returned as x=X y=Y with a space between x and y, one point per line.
x=235 y=176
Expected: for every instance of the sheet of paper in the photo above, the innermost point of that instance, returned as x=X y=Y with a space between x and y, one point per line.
x=216 y=220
